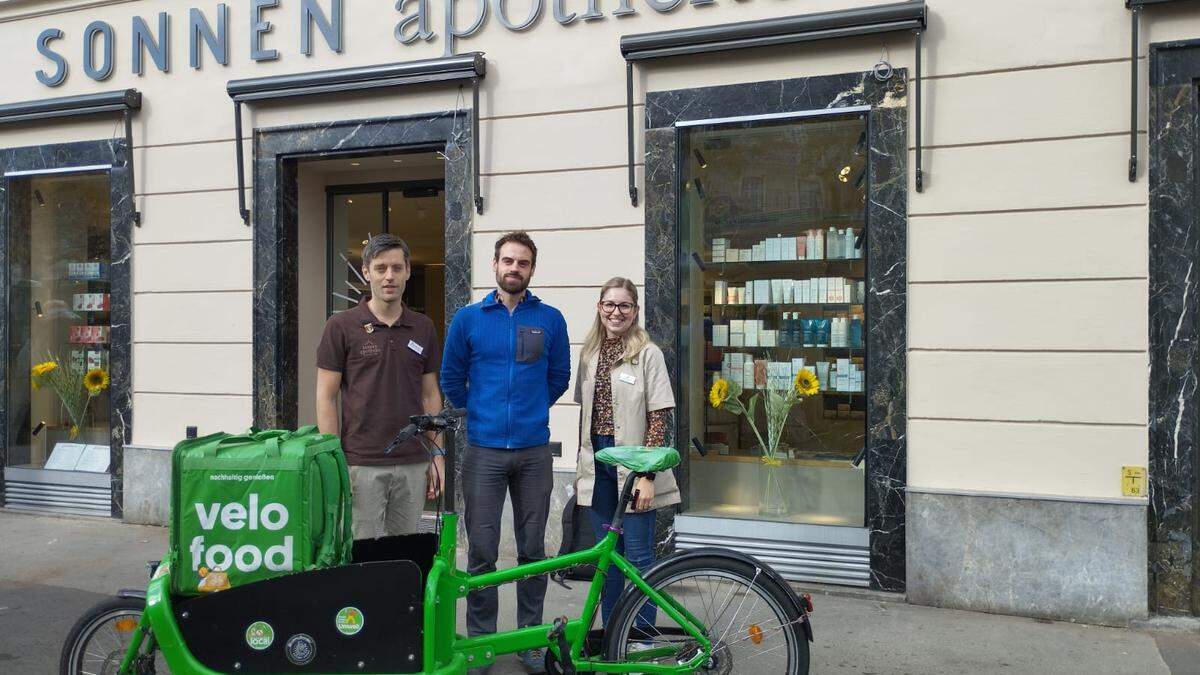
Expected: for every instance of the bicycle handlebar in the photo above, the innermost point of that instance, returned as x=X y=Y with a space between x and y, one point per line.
x=420 y=423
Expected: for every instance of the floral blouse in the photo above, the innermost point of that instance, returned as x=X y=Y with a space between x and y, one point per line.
x=657 y=421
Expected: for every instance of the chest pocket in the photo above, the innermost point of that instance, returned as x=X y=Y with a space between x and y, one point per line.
x=531 y=342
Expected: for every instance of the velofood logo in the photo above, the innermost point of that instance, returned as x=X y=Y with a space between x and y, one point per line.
x=239 y=537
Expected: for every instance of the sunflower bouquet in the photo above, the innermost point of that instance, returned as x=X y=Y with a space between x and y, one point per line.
x=74 y=387
x=777 y=404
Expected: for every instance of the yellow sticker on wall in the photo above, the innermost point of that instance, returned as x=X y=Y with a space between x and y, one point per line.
x=1133 y=481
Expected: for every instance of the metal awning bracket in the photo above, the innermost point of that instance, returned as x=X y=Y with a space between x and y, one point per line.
x=919 y=173
x=475 y=143
x=1133 y=91
x=241 y=169
x=128 y=119
x=633 y=191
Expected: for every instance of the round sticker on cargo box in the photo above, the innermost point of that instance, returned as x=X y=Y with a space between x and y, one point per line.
x=349 y=621
x=260 y=635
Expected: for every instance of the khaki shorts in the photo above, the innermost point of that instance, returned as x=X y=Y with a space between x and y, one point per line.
x=387 y=499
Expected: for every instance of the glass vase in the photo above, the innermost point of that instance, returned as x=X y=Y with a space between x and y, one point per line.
x=771 y=500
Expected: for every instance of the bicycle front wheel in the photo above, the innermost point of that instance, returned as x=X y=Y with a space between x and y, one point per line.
x=751 y=619
x=99 y=639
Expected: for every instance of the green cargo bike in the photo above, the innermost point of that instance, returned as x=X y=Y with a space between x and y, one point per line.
x=263 y=576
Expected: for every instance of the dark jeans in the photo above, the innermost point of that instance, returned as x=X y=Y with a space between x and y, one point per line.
x=636 y=543
x=527 y=476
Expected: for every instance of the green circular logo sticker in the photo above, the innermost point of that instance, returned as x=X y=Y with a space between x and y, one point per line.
x=260 y=635
x=349 y=621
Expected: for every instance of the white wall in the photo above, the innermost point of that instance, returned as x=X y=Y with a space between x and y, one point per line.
x=1027 y=250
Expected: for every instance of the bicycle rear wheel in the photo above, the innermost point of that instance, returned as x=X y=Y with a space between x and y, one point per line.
x=99 y=639
x=751 y=619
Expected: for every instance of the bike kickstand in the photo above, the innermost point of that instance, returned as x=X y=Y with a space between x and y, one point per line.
x=558 y=635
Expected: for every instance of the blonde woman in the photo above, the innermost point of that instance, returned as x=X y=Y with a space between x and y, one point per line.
x=626 y=399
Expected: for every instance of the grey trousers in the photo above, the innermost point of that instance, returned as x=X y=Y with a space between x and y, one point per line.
x=527 y=476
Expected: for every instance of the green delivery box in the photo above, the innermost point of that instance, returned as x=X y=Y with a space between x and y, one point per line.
x=255 y=506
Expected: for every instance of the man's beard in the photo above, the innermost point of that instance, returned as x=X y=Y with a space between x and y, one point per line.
x=511 y=285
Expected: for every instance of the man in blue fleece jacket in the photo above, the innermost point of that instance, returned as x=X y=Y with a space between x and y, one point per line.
x=507 y=360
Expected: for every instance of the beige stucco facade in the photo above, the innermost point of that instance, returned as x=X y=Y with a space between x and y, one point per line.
x=1027 y=250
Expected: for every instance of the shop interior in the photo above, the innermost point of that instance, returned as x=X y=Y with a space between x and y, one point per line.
x=342 y=202
x=773 y=213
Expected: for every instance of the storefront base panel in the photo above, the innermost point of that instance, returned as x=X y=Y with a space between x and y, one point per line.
x=799 y=552
x=1053 y=559
x=46 y=490
x=147 y=485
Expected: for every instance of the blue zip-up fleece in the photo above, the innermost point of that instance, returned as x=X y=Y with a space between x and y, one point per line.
x=508 y=369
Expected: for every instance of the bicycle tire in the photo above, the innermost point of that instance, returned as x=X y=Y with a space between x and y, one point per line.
x=738 y=572
x=89 y=626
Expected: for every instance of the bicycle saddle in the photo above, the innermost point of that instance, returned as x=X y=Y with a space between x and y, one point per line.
x=639 y=458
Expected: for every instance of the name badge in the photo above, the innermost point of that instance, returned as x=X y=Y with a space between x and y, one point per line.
x=416 y=347
x=627 y=378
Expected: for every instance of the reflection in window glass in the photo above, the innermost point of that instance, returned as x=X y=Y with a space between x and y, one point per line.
x=58 y=318
x=355 y=218
x=775 y=212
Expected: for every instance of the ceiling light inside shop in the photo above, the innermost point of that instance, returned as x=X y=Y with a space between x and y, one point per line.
x=355 y=163
x=397 y=161
x=38 y=195
x=700 y=158
x=699 y=188
x=844 y=174
x=349 y=201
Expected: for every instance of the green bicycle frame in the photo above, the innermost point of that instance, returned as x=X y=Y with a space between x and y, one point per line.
x=445 y=651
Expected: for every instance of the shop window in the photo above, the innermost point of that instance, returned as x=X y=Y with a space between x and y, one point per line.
x=772 y=220
x=58 y=314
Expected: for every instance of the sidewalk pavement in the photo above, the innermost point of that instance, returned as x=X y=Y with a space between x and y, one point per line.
x=52 y=569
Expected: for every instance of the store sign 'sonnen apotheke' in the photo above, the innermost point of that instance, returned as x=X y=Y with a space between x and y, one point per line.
x=416 y=18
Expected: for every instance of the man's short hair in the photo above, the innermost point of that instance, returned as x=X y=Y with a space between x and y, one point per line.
x=518 y=237
x=381 y=243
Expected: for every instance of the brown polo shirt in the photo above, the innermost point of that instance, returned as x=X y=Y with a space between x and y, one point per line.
x=381 y=369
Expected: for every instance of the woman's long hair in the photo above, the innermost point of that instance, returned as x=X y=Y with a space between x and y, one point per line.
x=635 y=339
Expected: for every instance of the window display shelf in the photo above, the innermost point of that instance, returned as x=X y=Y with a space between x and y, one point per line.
x=714 y=457
x=840 y=305
x=763 y=266
x=848 y=351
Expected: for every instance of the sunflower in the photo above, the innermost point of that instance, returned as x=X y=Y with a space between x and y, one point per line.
x=43 y=368
x=806 y=383
x=96 y=381
x=719 y=393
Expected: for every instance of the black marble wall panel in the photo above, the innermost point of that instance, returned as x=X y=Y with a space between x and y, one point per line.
x=277 y=152
x=115 y=154
x=886 y=264
x=1174 y=565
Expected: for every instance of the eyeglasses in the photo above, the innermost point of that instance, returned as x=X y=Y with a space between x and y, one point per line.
x=624 y=307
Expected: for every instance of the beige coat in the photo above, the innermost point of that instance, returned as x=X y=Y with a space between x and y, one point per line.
x=639 y=385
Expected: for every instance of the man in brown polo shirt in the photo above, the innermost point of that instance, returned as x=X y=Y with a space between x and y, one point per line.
x=383 y=358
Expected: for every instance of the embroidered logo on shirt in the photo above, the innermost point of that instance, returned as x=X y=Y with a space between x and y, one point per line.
x=369 y=327
x=369 y=349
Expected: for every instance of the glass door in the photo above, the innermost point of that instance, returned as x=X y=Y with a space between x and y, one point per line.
x=58 y=316
x=772 y=218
